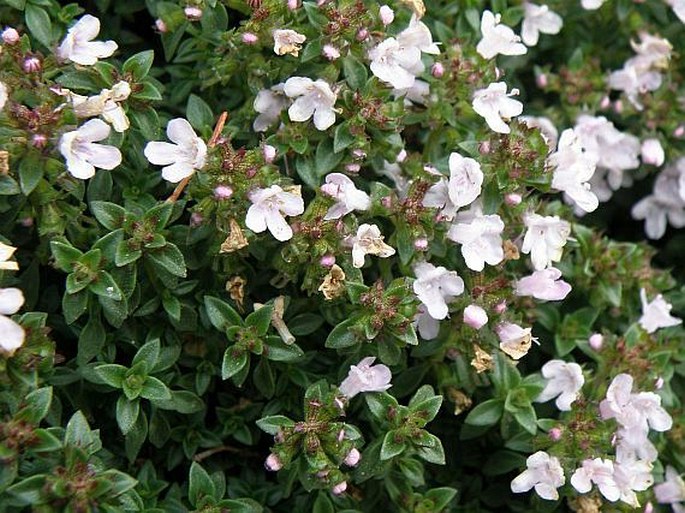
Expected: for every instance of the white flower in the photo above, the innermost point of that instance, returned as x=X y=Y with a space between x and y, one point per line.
x=78 y=45
x=438 y=196
x=544 y=473
x=573 y=168
x=6 y=253
x=394 y=64
x=365 y=377
x=347 y=196
x=496 y=106
x=313 y=97
x=497 y=38
x=656 y=314
x=563 y=381
x=386 y=14
x=427 y=326
x=269 y=208
x=269 y=103
x=181 y=159
x=536 y=19
x=515 y=341
x=591 y=5
x=640 y=410
x=480 y=239
x=369 y=241
x=600 y=472
x=652 y=152
x=666 y=204
x=288 y=41
x=475 y=317
x=672 y=490
x=466 y=180
x=418 y=35
x=416 y=94
x=652 y=51
x=105 y=104
x=634 y=81
x=81 y=152
x=434 y=286
x=544 y=284
x=631 y=476
x=4 y=95
x=678 y=7
x=545 y=239
x=11 y=334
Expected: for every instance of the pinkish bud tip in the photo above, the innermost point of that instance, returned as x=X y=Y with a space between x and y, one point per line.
x=196 y=219
x=541 y=81
x=273 y=463
x=555 y=434
x=39 y=141
x=352 y=458
x=293 y=4
x=193 y=13
x=362 y=34
x=269 y=153
x=161 y=26
x=421 y=244
x=596 y=341
x=352 y=168
x=327 y=261
x=513 y=199
x=223 y=192
x=475 y=317
x=501 y=307
x=340 y=488
x=10 y=36
x=249 y=38
x=438 y=70
x=31 y=65
x=330 y=52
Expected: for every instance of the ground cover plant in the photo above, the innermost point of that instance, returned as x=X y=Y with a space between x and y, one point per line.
x=342 y=256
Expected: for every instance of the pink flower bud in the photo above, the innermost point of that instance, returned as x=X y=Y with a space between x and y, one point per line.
x=293 y=4
x=501 y=307
x=31 y=65
x=223 y=192
x=359 y=154
x=438 y=70
x=652 y=152
x=421 y=244
x=649 y=508
x=27 y=222
x=679 y=132
x=596 y=341
x=327 y=261
x=341 y=435
x=386 y=201
x=251 y=172
x=269 y=153
x=10 y=36
x=605 y=103
x=484 y=147
x=330 y=52
x=352 y=168
x=659 y=383
x=401 y=156
x=513 y=199
x=362 y=34
x=541 y=80
x=273 y=463
x=340 y=488
x=193 y=13
x=475 y=317
x=161 y=26
x=196 y=219
x=249 y=38
x=555 y=434
x=39 y=141
x=352 y=458
x=387 y=15
x=618 y=106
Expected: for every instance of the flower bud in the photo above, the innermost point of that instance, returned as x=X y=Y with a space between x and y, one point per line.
x=223 y=192
x=513 y=199
x=541 y=80
x=196 y=219
x=401 y=156
x=659 y=383
x=340 y=488
x=484 y=147
x=31 y=65
x=555 y=434
x=421 y=244
x=386 y=201
x=438 y=70
x=249 y=38
x=649 y=508
x=679 y=132
x=652 y=152
x=193 y=13
x=387 y=15
x=327 y=261
x=161 y=26
x=330 y=52
x=27 y=222
x=475 y=317
x=10 y=36
x=501 y=307
x=362 y=34
x=352 y=458
x=273 y=463
x=269 y=153
x=618 y=106
x=359 y=154
x=39 y=141
x=596 y=340
x=352 y=168
x=293 y=4
x=605 y=103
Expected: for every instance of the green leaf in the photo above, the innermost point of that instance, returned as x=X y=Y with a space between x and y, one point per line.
x=221 y=314
x=170 y=259
x=147 y=355
x=31 y=170
x=391 y=446
x=28 y=491
x=139 y=64
x=45 y=441
x=278 y=351
x=233 y=362
x=306 y=169
x=104 y=285
x=181 y=401
x=39 y=24
x=91 y=340
x=200 y=485
x=486 y=413
x=260 y=319
x=37 y=405
x=342 y=137
x=355 y=72
x=127 y=413
x=263 y=378
x=119 y=482
x=429 y=447
x=305 y=324
x=440 y=497
x=109 y=215
x=527 y=419
x=79 y=434
x=112 y=374
x=154 y=389
x=428 y=408
x=172 y=306
x=323 y=504
x=342 y=336
x=199 y=113
x=74 y=305
x=274 y=423
x=65 y=255
x=379 y=403
x=125 y=254
x=326 y=159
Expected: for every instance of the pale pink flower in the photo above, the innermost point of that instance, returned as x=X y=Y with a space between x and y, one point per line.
x=652 y=152
x=496 y=106
x=435 y=286
x=599 y=472
x=273 y=463
x=78 y=45
x=544 y=473
x=312 y=98
x=656 y=314
x=82 y=153
x=573 y=169
x=366 y=377
x=353 y=457
x=671 y=491
x=563 y=380
x=182 y=158
x=347 y=197
x=369 y=241
x=480 y=238
x=386 y=14
x=545 y=284
x=269 y=208
x=515 y=341
x=538 y=19
x=475 y=317
x=498 y=39
x=545 y=239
